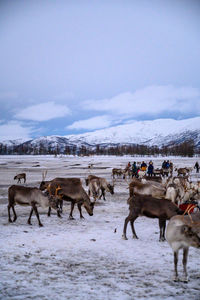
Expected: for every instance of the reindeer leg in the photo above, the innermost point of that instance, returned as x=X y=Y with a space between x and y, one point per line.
x=72 y=208
x=49 y=212
x=37 y=215
x=162 y=225
x=29 y=219
x=15 y=215
x=175 y=266
x=79 y=208
x=185 y=256
x=133 y=228
x=103 y=194
x=132 y=219
x=61 y=205
x=125 y=227
x=9 y=217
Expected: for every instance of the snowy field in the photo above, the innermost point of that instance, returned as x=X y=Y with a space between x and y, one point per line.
x=86 y=259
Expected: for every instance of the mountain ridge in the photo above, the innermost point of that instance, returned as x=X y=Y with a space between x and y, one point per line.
x=159 y=132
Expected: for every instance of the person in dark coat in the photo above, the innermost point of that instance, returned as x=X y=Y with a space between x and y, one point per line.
x=134 y=169
x=164 y=164
x=196 y=166
x=150 y=169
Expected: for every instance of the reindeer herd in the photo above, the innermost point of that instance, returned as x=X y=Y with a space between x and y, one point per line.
x=158 y=197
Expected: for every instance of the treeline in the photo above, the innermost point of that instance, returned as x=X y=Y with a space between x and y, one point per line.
x=184 y=149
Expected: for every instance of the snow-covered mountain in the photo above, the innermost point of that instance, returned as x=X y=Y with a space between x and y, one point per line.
x=157 y=132
x=160 y=132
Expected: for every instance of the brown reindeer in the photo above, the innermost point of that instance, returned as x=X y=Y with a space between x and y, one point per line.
x=71 y=190
x=183 y=232
x=19 y=177
x=97 y=184
x=182 y=171
x=117 y=172
x=30 y=196
x=144 y=205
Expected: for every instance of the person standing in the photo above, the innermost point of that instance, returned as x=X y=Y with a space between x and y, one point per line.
x=143 y=166
x=134 y=169
x=150 y=169
x=196 y=166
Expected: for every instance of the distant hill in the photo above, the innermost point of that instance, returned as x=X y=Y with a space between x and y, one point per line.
x=160 y=132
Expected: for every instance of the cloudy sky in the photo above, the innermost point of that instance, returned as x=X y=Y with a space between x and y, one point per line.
x=73 y=66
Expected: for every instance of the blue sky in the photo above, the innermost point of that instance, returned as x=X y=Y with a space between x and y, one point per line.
x=69 y=67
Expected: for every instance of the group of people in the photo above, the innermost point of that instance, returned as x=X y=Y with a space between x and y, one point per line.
x=143 y=167
x=134 y=168
x=165 y=164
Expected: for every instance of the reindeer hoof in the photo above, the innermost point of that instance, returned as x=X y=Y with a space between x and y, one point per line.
x=162 y=240
x=10 y=221
x=135 y=237
x=184 y=279
x=175 y=279
x=71 y=218
x=124 y=237
x=41 y=225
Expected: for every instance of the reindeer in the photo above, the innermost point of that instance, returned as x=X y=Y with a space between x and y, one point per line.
x=183 y=171
x=71 y=190
x=94 y=188
x=19 y=177
x=145 y=205
x=45 y=185
x=152 y=188
x=118 y=172
x=30 y=196
x=183 y=232
x=97 y=184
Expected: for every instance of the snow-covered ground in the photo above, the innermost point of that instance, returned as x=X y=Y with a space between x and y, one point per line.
x=86 y=259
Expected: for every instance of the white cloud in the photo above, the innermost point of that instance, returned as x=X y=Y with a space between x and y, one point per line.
x=43 y=112
x=152 y=100
x=14 y=130
x=93 y=123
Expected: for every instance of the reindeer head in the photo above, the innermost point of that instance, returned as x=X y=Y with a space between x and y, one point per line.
x=110 y=188
x=53 y=202
x=191 y=237
x=89 y=207
x=43 y=184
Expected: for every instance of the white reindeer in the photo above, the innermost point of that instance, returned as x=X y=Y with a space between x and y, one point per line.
x=182 y=233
